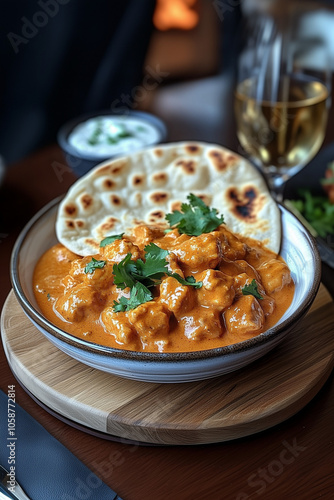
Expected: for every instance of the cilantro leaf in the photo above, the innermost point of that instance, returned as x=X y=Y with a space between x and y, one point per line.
x=189 y=281
x=148 y=272
x=94 y=264
x=123 y=273
x=152 y=250
x=252 y=289
x=121 y=305
x=142 y=275
x=110 y=239
x=139 y=295
x=155 y=265
x=195 y=218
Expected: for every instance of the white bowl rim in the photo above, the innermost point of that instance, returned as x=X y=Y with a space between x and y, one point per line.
x=111 y=352
x=66 y=129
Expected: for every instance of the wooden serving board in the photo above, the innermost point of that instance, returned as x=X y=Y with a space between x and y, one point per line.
x=231 y=406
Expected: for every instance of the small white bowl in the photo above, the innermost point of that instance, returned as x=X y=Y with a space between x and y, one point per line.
x=298 y=249
x=81 y=161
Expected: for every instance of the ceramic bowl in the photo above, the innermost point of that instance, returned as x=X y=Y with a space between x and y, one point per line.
x=80 y=162
x=298 y=249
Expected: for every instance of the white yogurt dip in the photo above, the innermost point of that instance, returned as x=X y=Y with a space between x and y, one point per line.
x=105 y=136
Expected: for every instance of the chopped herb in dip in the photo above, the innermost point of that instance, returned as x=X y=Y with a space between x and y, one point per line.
x=105 y=136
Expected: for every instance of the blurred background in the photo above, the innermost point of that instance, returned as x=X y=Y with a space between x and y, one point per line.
x=173 y=58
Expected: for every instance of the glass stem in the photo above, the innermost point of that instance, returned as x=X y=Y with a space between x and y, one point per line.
x=276 y=185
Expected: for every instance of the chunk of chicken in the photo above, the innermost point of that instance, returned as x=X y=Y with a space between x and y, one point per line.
x=205 y=325
x=100 y=277
x=63 y=254
x=199 y=253
x=240 y=281
x=151 y=321
x=232 y=247
x=179 y=299
x=275 y=275
x=245 y=318
x=118 y=325
x=267 y=303
x=173 y=265
x=234 y=267
x=217 y=289
x=144 y=235
x=118 y=250
x=173 y=237
x=248 y=269
x=78 y=302
x=69 y=282
x=50 y=280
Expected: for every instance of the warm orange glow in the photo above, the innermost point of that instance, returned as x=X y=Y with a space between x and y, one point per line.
x=178 y=14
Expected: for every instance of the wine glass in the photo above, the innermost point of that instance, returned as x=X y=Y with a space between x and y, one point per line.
x=282 y=97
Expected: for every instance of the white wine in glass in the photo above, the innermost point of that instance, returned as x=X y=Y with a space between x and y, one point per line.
x=281 y=110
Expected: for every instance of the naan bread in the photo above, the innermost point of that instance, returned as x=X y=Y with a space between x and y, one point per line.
x=146 y=185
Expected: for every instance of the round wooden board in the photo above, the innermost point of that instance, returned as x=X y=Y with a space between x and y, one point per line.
x=231 y=406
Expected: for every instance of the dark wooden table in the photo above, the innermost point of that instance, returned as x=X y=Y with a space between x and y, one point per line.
x=294 y=460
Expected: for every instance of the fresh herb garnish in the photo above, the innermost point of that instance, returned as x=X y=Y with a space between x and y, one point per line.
x=112 y=140
x=147 y=273
x=189 y=280
x=195 y=218
x=124 y=134
x=317 y=210
x=139 y=295
x=94 y=264
x=110 y=239
x=48 y=296
x=94 y=138
x=252 y=289
x=123 y=273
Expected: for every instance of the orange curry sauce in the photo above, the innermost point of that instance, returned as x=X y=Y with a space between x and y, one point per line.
x=180 y=318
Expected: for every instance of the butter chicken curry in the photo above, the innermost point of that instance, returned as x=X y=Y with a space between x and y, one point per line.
x=166 y=291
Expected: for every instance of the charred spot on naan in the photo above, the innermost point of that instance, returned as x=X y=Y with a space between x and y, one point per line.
x=193 y=149
x=245 y=204
x=159 y=197
x=158 y=152
x=86 y=202
x=159 y=178
x=69 y=224
x=221 y=160
x=93 y=244
x=157 y=217
x=70 y=210
x=116 y=167
x=108 y=184
x=74 y=224
x=175 y=205
x=109 y=224
x=188 y=166
x=115 y=200
x=106 y=227
x=79 y=223
x=137 y=181
x=205 y=197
